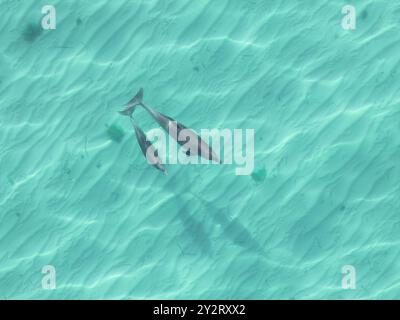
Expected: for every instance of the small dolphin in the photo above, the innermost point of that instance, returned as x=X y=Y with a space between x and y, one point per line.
x=149 y=151
x=194 y=144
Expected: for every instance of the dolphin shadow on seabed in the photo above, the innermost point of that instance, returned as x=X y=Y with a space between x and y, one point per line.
x=232 y=228
x=195 y=228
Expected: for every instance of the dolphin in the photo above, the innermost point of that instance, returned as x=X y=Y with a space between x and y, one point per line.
x=149 y=151
x=193 y=144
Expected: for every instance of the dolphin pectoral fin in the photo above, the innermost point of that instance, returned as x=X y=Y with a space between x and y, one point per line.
x=214 y=157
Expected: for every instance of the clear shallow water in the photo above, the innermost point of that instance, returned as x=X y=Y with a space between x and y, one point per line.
x=324 y=103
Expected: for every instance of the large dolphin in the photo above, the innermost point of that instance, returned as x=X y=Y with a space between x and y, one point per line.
x=148 y=149
x=193 y=143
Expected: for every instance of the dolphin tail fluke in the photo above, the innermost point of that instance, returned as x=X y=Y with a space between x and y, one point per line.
x=131 y=105
x=138 y=98
x=126 y=112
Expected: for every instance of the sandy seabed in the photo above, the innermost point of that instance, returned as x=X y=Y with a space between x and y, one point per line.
x=76 y=192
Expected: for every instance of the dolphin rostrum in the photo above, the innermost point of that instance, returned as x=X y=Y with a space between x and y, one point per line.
x=193 y=143
x=149 y=151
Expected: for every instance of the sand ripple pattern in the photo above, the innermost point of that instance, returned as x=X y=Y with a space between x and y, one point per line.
x=325 y=106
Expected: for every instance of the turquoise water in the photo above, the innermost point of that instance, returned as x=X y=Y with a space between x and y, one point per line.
x=325 y=106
